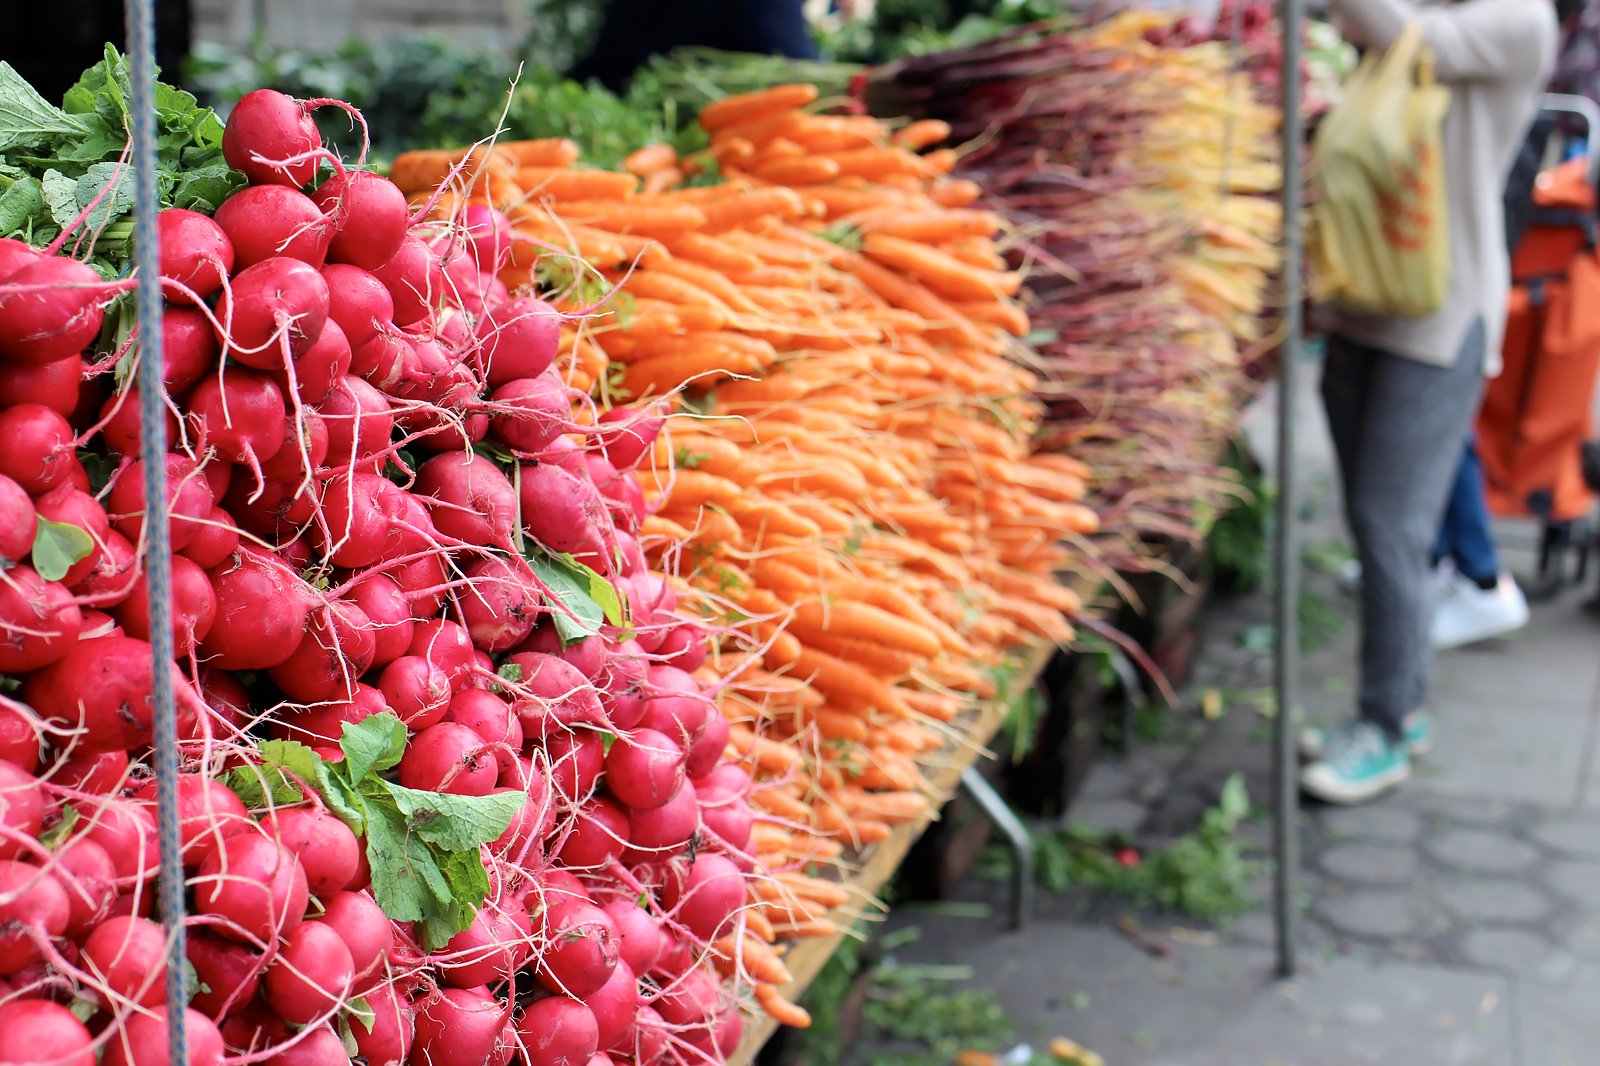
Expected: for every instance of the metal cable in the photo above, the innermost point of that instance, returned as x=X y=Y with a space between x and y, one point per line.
x=140 y=16
x=1286 y=560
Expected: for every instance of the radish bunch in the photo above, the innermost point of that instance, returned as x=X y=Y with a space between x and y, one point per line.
x=385 y=501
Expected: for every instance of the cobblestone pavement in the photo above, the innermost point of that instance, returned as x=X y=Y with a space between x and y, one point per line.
x=1456 y=921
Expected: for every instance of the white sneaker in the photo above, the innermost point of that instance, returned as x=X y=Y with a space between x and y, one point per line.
x=1467 y=614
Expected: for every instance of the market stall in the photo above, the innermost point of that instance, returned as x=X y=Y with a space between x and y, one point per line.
x=512 y=608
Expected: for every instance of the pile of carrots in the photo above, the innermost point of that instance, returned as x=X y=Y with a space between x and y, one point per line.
x=846 y=486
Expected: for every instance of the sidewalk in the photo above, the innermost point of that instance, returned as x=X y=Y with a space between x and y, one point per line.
x=1455 y=922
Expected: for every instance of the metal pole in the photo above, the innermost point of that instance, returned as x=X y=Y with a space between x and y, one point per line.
x=1286 y=650
x=140 y=15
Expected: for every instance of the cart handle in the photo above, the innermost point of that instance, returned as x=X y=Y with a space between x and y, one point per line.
x=1589 y=111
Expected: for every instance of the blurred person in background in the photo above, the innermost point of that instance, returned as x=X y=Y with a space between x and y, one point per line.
x=632 y=31
x=51 y=45
x=1400 y=393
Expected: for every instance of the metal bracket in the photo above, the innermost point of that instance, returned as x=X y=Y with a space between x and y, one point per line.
x=1003 y=818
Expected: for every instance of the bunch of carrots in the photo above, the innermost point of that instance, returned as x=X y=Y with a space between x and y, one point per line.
x=846 y=485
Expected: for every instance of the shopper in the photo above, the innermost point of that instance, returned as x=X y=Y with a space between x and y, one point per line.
x=1400 y=392
x=632 y=31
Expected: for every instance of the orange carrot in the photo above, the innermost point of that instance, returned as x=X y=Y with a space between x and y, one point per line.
x=561 y=183
x=923 y=133
x=650 y=158
x=782 y=1010
x=751 y=106
x=544 y=152
x=941 y=272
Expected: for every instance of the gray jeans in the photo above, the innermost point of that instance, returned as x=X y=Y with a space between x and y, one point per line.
x=1397 y=426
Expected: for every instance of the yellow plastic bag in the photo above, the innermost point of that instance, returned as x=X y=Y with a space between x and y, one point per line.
x=1379 y=239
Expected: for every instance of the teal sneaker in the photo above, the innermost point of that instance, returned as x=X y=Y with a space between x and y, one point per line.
x=1418 y=727
x=1360 y=764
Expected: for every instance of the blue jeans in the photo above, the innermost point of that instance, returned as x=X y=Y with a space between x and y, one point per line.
x=1464 y=536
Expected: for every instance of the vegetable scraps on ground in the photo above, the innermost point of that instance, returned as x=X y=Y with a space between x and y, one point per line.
x=464 y=779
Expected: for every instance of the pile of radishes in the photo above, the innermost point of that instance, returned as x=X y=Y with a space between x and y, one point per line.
x=369 y=443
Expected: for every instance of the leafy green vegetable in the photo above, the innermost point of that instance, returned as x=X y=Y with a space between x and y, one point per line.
x=584 y=598
x=57 y=161
x=422 y=846
x=56 y=546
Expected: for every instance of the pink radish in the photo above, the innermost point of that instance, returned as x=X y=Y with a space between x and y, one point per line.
x=32 y=905
x=565 y=513
x=194 y=607
x=468 y=498
x=388 y=614
x=86 y=872
x=372 y=213
x=267 y=129
x=262 y=611
x=417 y=691
x=50 y=309
x=230 y=973
x=128 y=954
x=195 y=254
x=54 y=384
x=369 y=519
x=122 y=419
x=276 y=302
x=626 y=436
x=520 y=339
x=189 y=500
x=358 y=302
x=414 y=279
x=445 y=644
x=337 y=649
x=19 y=738
x=640 y=933
x=501 y=602
x=189 y=348
x=288 y=464
x=103 y=685
x=143 y=1041
x=239 y=413
x=39 y=446
x=645 y=770
x=488 y=236
x=449 y=758
x=704 y=894
x=15 y=254
x=661 y=831
x=21 y=809
x=267 y=221
x=362 y=925
x=255 y=885
x=311 y=976
x=600 y=828
x=530 y=412
x=459 y=1027
x=557 y=1031
x=381 y=359
x=389 y=1039
x=320 y=367
x=561 y=697
x=616 y=1007
x=580 y=947
x=40 y=1031
x=359 y=423
x=577 y=758
x=327 y=849
x=73 y=507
